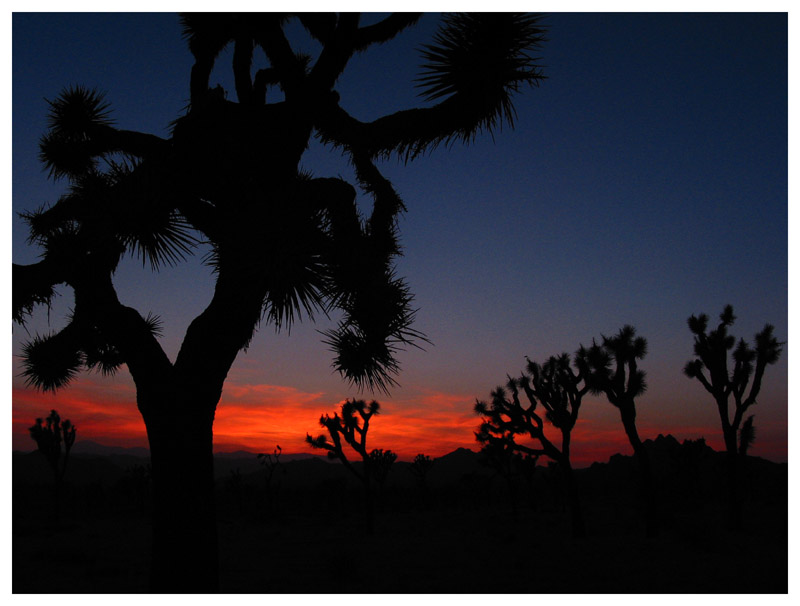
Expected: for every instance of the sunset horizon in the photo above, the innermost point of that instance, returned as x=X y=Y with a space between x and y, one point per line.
x=254 y=426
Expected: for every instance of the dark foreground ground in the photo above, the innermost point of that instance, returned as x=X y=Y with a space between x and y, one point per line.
x=466 y=537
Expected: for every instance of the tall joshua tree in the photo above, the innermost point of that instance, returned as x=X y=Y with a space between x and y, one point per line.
x=282 y=242
x=611 y=369
x=559 y=389
x=49 y=434
x=352 y=427
x=713 y=349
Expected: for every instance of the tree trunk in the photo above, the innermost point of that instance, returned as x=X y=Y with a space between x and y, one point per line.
x=734 y=462
x=646 y=475
x=185 y=549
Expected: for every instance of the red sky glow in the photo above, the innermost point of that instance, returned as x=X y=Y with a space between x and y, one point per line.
x=257 y=417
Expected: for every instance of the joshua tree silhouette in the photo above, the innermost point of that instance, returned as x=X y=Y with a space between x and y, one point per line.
x=559 y=390
x=710 y=368
x=49 y=434
x=611 y=369
x=282 y=243
x=420 y=467
x=380 y=464
x=500 y=456
x=353 y=426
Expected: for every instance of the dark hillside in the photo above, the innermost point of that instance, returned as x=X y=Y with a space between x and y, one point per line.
x=430 y=538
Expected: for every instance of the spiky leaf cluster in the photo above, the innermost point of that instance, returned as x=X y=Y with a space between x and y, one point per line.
x=611 y=368
x=50 y=362
x=483 y=57
x=68 y=149
x=747 y=435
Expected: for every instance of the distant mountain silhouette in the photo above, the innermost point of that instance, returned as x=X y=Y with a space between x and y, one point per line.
x=674 y=463
x=93 y=448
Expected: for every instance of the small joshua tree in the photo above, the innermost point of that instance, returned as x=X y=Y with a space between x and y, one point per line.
x=353 y=426
x=710 y=368
x=611 y=369
x=49 y=434
x=501 y=456
x=559 y=390
x=379 y=465
x=271 y=462
x=420 y=467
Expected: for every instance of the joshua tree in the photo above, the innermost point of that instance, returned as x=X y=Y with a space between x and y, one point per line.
x=271 y=462
x=612 y=369
x=559 y=389
x=353 y=426
x=282 y=242
x=501 y=456
x=710 y=367
x=380 y=464
x=420 y=467
x=49 y=434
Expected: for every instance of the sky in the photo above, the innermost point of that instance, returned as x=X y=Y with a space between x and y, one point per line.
x=645 y=180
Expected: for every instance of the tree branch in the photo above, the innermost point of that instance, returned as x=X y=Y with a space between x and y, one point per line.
x=335 y=54
x=384 y=30
x=97 y=302
x=141 y=145
x=289 y=68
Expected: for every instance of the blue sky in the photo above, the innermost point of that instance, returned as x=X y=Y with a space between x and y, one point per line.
x=645 y=181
